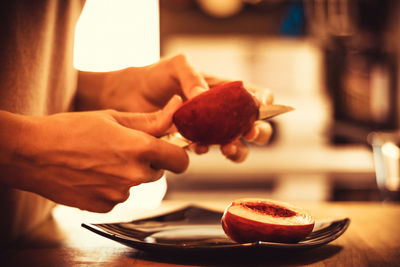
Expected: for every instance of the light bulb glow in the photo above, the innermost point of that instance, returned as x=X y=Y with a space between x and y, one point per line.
x=112 y=35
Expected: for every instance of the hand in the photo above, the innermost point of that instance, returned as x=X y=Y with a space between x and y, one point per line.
x=90 y=160
x=149 y=88
x=142 y=89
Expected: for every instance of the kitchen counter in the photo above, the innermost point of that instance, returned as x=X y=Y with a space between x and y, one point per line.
x=372 y=239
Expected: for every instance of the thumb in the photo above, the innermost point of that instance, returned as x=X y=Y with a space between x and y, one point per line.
x=154 y=123
x=191 y=81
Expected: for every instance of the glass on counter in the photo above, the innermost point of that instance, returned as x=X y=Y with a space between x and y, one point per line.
x=386 y=152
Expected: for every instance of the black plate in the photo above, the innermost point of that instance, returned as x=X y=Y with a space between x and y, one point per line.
x=197 y=229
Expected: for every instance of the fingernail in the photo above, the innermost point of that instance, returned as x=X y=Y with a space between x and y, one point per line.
x=265 y=97
x=202 y=149
x=252 y=135
x=232 y=150
x=177 y=99
x=198 y=90
x=174 y=103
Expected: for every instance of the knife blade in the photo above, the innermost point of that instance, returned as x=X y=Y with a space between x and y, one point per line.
x=270 y=111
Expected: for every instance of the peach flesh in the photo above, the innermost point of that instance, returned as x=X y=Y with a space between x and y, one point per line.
x=272 y=210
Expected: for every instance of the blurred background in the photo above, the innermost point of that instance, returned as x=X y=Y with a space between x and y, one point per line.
x=335 y=61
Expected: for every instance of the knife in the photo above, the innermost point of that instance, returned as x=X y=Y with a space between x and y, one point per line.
x=272 y=110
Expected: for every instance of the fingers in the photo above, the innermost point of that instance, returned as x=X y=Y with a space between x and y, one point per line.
x=154 y=154
x=235 y=151
x=198 y=149
x=191 y=81
x=144 y=158
x=87 y=190
x=163 y=155
x=213 y=81
x=144 y=162
x=264 y=96
x=107 y=198
x=155 y=123
x=260 y=133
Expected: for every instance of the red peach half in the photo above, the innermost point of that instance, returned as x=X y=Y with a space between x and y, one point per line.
x=248 y=220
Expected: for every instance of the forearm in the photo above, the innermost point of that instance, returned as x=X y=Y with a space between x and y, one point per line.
x=15 y=130
x=91 y=90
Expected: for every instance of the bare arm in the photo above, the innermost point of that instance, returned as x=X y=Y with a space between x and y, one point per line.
x=87 y=160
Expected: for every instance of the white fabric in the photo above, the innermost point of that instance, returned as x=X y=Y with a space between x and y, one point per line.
x=36 y=78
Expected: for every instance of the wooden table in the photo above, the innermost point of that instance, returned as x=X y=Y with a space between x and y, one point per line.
x=373 y=239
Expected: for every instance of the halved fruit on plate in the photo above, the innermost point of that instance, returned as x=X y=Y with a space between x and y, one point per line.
x=249 y=220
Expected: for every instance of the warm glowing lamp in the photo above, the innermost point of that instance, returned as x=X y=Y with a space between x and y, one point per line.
x=115 y=34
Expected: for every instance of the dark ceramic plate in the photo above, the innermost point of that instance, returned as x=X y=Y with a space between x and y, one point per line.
x=198 y=229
